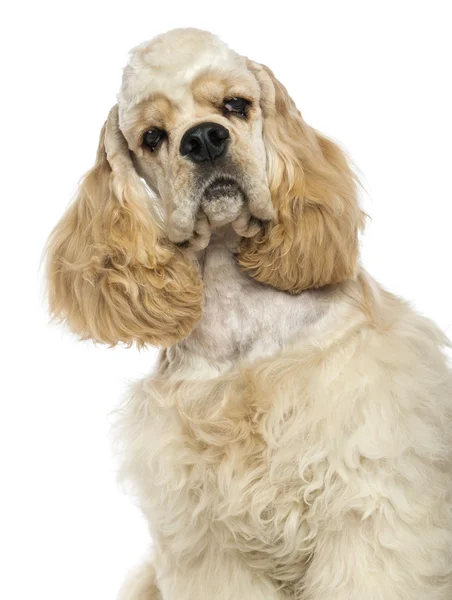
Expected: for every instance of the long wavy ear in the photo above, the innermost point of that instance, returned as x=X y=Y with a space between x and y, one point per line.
x=313 y=240
x=112 y=275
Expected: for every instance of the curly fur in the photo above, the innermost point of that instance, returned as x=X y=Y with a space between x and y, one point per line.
x=288 y=446
x=314 y=238
x=112 y=275
x=325 y=468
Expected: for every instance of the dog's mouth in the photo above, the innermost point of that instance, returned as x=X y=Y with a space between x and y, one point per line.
x=222 y=199
x=222 y=187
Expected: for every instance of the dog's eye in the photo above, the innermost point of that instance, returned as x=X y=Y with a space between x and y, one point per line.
x=153 y=137
x=237 y=106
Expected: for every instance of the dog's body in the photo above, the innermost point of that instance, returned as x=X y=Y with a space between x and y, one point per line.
x=321 y=470
x=289 y=445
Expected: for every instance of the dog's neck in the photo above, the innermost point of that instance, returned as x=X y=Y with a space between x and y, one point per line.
x=243 y=319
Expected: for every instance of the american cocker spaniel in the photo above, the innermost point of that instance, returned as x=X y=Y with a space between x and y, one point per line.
x=295 y=439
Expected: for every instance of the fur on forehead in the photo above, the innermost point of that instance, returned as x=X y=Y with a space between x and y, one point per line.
x=171 y=61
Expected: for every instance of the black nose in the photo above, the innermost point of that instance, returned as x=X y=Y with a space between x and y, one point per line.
x=203 y=142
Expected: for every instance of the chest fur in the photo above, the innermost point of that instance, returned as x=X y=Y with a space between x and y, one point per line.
x=209 y=478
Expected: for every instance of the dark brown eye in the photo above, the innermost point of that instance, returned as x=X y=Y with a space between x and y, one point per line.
x=153 y=137
x=237 y=106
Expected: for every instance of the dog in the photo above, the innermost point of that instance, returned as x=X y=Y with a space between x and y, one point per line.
x=295 y=439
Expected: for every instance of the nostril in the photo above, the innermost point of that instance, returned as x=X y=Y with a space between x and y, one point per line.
x=218 y=135
x=192 y=145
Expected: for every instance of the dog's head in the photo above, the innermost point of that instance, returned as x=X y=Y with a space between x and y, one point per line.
x=189 y=109
x=200 y=137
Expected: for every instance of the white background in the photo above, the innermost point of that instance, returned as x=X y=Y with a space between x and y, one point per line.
x=374 y=75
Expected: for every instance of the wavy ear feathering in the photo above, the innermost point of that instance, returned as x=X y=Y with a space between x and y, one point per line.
x=112 y=274
x=313 y=240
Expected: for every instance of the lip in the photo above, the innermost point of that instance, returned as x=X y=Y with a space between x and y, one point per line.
x=221 y=187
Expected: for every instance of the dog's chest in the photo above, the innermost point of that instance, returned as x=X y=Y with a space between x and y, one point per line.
x=204 y=487
x=204 y=490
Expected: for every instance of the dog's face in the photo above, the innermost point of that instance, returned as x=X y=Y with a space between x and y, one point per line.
x=190 y=110
x=217 y=139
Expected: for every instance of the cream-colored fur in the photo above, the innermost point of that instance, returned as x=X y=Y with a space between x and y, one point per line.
x=322 y=471
x=295 y=440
